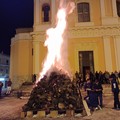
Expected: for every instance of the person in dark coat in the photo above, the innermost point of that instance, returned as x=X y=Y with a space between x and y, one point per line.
x=9 y=83
x=34 y=78
x=91 y=96
x=1 y=85
x=98 y=90
x=115 y=91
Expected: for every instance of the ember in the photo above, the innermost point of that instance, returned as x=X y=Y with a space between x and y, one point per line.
x=53 y=93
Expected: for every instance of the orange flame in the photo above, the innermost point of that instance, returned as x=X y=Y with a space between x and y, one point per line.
x=55 y=41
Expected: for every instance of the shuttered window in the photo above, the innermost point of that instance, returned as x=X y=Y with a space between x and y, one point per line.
x=83 y=12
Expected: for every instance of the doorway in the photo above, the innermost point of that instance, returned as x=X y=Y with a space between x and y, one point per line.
x=86 y=62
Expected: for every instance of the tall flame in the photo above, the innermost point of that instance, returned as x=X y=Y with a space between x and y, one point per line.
x=55 y=41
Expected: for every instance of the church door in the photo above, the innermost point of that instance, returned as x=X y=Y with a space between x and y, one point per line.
x=86 y=62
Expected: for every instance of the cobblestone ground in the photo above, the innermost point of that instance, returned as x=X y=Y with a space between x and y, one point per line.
x=10 y=109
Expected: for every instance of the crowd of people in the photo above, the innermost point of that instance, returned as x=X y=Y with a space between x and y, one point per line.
x=103 y=77
x=92 y=84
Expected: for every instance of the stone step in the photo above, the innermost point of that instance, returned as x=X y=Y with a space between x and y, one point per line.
x=24 y=91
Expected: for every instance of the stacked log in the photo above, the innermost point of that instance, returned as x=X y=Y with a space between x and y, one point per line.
x=54 y=92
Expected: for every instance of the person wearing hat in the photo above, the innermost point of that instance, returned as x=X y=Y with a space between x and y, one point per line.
x=115 y=91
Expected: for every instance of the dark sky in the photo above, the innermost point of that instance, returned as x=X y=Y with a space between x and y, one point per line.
x=13 y=14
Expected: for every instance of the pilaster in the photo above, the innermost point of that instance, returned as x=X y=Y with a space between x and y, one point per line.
x=53 y=9
x=102 y=5
x=107 y=52
x=36 y=57
x=114 y=8
x=37 y=11
x=117 y=50
x=108 y=20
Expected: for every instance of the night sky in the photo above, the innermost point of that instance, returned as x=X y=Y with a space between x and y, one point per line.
x=13 y=14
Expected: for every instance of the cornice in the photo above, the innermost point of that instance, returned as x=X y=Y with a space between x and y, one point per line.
x=38 y=36
x=82 y=32
x=93 y=31
x=21 y=37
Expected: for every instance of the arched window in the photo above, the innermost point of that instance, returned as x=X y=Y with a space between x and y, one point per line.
x=118 y=7
x=83 y=12
x=46 y=9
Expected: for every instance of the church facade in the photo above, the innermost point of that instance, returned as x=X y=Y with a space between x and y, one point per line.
x=93 y=31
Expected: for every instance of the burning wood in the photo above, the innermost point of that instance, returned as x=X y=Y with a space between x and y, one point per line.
x=53 y=93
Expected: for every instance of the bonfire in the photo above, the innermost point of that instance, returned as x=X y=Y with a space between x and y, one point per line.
x=56 y=92
x=55 y=89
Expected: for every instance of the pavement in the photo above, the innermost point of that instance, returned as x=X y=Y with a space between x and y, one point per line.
x=11 y=107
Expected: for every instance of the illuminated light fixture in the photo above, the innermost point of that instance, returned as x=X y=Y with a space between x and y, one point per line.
x=2 y=79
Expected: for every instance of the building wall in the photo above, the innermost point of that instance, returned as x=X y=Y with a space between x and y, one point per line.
x=4 y=64
x=21 y=66
x=101 y=35
x=86 y=44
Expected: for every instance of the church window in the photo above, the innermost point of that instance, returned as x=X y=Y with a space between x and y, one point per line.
x=46 y=9
x=118 y=7
x=83 y=12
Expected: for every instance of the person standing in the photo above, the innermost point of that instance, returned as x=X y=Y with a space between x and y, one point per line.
x=34 y=78
x=1 y=85
x=91 y=97
x=115 y=91
x=9 y=83
x=98 y=90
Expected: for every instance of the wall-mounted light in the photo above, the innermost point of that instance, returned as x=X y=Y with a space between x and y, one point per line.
x=2 y=79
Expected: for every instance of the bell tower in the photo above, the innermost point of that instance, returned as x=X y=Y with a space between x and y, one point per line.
x=44 y=13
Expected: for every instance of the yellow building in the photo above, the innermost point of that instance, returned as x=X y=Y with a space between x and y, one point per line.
x=93 y=38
